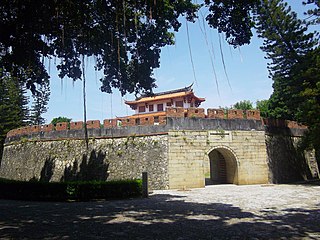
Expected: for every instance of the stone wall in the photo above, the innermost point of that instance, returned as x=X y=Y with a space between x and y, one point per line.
x=179 y=154
x=287 y=163
x=137 y=121
x=244 y=151
x=106 y=159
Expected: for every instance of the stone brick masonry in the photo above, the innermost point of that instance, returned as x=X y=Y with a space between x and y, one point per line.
x=177 y=152
x=106 y=159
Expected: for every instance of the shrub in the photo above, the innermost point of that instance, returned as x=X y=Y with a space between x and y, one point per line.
x=62 y=191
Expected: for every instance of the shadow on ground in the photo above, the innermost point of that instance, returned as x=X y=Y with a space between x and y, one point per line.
x=159 y=217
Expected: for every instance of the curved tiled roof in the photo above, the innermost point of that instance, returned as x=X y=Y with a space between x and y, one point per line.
x=185 y=89
x=183 y=92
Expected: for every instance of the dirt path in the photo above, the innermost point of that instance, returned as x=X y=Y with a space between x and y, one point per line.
x=215 y=212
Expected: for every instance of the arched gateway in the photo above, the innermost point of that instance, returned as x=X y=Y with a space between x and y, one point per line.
x=222 y=166
x=177 y=143
x=176 y=155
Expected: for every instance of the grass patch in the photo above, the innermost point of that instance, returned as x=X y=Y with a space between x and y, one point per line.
x=64 y=191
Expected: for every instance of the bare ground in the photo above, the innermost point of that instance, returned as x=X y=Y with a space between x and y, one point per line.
x=214 y=212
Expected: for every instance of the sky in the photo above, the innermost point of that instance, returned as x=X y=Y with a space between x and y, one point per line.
x=243 y=76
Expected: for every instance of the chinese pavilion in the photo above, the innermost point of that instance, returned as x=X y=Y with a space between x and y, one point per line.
x=157 y=103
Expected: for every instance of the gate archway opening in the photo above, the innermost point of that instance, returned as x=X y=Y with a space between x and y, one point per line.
x=222 y=167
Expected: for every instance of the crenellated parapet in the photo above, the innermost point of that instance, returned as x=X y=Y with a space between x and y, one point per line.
x=178 y=148
x=152 y=119
x=213 y=113
x=30 y=129
x=281 y=123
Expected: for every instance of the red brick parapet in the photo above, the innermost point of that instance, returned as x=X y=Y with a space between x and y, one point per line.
x=47 y=128
x=34 y=129
x=157 y=118
x=93 y=124
x=128 y=122
x=196 y=113
x=215 y=113
x=12 y=133
x=76 y=125
x=61 y=126
x=235 y=114
x=144 y=121
x=281 y=123
x=293 y=124
x=175 y=112
x=162 y=120
x=253 y=114
x=109 y=123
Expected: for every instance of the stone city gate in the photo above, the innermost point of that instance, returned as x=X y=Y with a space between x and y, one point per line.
x=183 y=153
x=222 y=167
x=199 y=157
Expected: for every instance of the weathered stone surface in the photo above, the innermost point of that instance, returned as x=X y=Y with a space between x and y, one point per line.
x=191 y=155
x=105 y=159
x=172 y=123
x=286 y=162
x=184 y=153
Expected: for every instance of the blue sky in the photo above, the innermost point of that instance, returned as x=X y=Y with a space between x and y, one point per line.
x=246 y=70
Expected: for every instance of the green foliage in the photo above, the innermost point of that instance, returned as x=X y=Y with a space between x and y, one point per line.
x=295 y=63
x=124 y=37
x=285 y=37
x=233 y=18
x=308 y=108
x=243 y=105
x=313 y=14
x=13 y=106
x=263 y=107
x=54 y=121
x=39 y=106
x=62 y=191
x=285 y=42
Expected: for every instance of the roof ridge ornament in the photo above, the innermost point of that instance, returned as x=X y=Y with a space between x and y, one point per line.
x=185 y=89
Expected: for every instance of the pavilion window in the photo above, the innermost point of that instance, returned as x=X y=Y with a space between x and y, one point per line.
x=142 y=109
x=160 y=107
x=179 y=103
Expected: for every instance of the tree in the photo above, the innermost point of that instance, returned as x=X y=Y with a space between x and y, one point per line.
x=54 y=121
x=233 y=18
x=308 y=110
x=294 y=55
x=13 y=106
x=286 y=41
x=314 y=14
x=243 y=105
x=263 y=107
x=39 y=107
x=125 y=37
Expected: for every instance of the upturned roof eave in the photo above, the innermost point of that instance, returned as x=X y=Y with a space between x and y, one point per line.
x=163 y=97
